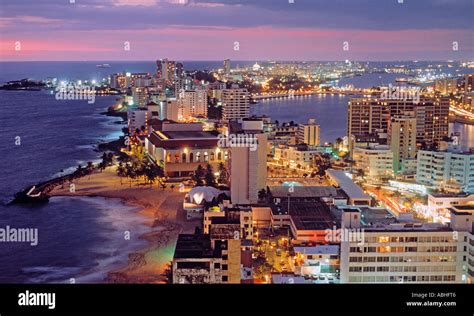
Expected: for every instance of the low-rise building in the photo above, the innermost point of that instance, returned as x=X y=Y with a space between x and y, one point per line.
x=376 y=162
x=448 y=170
x=356 y=195
x=181 y=147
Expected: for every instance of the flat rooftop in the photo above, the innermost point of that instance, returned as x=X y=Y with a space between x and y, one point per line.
x=310 y=215
x=318 y=250
x=191 y=246
x=304 y=191
x=345 y=183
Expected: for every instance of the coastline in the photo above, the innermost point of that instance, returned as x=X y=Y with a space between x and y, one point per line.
x=162 y=214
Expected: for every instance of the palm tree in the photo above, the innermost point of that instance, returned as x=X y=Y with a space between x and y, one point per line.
x=209 y=176
x=197 y=175
x=90 y=168
x=223 y=174
x=121 y=171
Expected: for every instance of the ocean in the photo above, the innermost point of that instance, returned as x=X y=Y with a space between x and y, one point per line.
x=41 y=137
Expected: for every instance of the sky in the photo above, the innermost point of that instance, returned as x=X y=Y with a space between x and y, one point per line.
x=108 y=30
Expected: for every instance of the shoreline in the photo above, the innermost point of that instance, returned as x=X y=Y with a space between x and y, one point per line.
x=162 y=215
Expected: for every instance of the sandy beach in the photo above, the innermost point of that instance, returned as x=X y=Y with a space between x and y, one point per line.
x=162 y=212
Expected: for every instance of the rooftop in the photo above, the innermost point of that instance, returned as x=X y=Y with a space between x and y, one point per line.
x=304 y=191
x=324 y=250
x=193 y=246
x=345 y=183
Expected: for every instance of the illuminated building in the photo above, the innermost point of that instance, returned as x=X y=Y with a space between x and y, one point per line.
x=235 y=103
x=402 y=140
x=446 y=86
x=402 y=250
x=309 y=133
x=376 y=162
x=448 y=170
x=248 y=162
x=181 y=147
x=192 y=104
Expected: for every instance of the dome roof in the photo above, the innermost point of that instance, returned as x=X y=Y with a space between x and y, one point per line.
x=199 y=194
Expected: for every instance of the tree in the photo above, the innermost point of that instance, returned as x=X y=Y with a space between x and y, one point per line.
x=121 y=171
x=223 y=174
x=209 y=177
x=90 y=168
x=197 y=175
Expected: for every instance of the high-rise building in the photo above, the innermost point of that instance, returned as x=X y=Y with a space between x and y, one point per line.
x=192 y=103
x=309 y=133
x=248 y=161
x=432 y=118
x=165 y=70
x=402 y=139
x=370 y=115
x=468 y=82
x=227 y=67
x=235 y=103
x=446 y=86
x=366 y=116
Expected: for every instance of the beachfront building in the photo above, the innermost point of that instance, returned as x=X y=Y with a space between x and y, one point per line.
x=181 y=147
x=221 y=255
x=401 y=250
x=376 y=162
x=448 y=170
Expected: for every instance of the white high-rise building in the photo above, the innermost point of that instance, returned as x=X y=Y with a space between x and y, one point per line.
x=248 y=161
x=446 y=170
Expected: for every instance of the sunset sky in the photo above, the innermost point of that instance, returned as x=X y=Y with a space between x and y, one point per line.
x=264 y=29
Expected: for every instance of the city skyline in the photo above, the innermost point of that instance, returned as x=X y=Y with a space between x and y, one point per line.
x=239 y=30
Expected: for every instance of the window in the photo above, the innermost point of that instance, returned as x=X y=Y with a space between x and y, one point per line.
x=183 y=158
x=191 y=157
x=225 y=278
x=224 y=267
x=217 y=265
